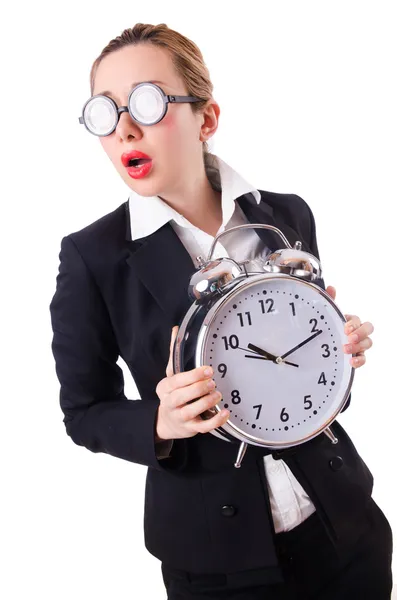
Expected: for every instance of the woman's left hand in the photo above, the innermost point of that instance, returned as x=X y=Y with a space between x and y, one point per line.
x=359 y=340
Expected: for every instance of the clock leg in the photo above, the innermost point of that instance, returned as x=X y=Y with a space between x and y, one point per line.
x=240 y=455
x=328 y=433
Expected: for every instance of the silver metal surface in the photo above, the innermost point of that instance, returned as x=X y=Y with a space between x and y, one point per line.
x=240 y=454
x=294 y=262
x=329 y=433
x=247 y=226
x=213 y=277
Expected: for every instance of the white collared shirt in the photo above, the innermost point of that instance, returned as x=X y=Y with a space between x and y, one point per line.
x=289 y=502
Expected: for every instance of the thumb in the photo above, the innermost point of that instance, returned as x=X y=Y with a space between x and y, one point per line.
x=170 y=370
x=331 y=291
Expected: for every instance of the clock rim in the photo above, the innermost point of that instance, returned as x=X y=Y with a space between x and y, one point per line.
x=232 y=430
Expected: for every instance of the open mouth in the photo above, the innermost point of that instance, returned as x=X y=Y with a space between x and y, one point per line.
x=137 y=162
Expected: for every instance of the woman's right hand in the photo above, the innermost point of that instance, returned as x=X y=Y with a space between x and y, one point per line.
x=176 y=418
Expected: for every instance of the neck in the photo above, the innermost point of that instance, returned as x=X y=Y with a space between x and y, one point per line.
x=198 y=202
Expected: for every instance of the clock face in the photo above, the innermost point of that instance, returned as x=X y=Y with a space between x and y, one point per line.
x=276 y=347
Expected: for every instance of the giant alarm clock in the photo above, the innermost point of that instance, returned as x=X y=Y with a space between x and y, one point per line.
x=274 y=339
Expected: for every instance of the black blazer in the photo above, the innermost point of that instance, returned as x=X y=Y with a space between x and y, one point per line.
x=115 y=296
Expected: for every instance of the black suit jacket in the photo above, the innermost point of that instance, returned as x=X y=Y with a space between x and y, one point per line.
x=115 y=296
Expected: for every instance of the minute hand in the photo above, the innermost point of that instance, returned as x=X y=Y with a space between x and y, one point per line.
x=301 y=344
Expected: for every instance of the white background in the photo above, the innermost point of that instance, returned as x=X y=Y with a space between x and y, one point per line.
x=308 y=106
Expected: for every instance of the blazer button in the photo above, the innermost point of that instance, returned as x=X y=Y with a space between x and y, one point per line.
x=336 y=463
x=228 y=510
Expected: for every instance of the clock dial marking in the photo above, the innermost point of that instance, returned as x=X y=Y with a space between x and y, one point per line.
x=275 y=400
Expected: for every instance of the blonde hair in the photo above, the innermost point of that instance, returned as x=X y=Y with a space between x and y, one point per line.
x=186 y=58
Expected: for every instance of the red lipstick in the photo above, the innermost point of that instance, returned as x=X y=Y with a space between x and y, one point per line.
x=138 y=164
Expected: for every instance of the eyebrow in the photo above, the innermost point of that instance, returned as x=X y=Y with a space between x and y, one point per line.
x=108 y=93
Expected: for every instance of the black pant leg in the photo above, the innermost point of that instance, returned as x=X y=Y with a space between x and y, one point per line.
x=181 y=585
x=313 y=570
x=368 y=573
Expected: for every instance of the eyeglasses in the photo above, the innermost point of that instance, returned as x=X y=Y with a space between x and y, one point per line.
x=147 y=104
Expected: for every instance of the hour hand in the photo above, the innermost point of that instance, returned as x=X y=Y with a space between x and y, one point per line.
x=269 y=356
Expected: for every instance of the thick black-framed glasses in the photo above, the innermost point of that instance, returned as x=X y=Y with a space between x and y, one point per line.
x=147 y=104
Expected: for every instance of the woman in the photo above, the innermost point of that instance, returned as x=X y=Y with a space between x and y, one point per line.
x=291 y=524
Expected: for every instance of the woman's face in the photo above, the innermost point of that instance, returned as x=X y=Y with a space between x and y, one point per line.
x=175 y=143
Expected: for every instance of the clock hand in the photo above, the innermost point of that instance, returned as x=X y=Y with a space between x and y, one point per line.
x=265 y=355
x=246 y=350
x=272 y=357
x=264 y=358
x=300 y=345
x=268 y=355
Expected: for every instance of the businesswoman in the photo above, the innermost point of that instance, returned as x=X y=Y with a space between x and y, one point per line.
x=299 y=523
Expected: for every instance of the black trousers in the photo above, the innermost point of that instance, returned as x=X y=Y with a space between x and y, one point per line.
x=311 y=569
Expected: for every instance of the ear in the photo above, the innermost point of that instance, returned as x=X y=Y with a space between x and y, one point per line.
x=209 y=120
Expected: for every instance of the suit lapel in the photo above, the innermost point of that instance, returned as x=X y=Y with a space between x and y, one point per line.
x=164 y=266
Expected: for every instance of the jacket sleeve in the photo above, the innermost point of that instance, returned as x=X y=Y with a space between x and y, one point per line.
x=163 y=449
x=314 y=248
x=97 y=413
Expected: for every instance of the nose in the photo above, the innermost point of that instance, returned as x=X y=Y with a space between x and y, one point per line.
x=127 y=127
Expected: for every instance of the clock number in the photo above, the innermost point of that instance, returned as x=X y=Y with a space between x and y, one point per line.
x=309 y=403
x=314 y=330
x=232 y=342
x=241 y=318
x=222 y=368
x=259 y=407
x=293 y=308
x=327 y=350
x=322 y=379
x=268 y=300
x=236 y=397
x=284 y=416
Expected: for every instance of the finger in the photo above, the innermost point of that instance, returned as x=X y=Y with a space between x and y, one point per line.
x=331 y=291
x=187 y=378
x=353 y=323
x=364 y=330
x=201 y=405
x=358 y=361
x=169 y=371
x=190 y=393
x=361 y=333
x=360 y=347
x=204 y=426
